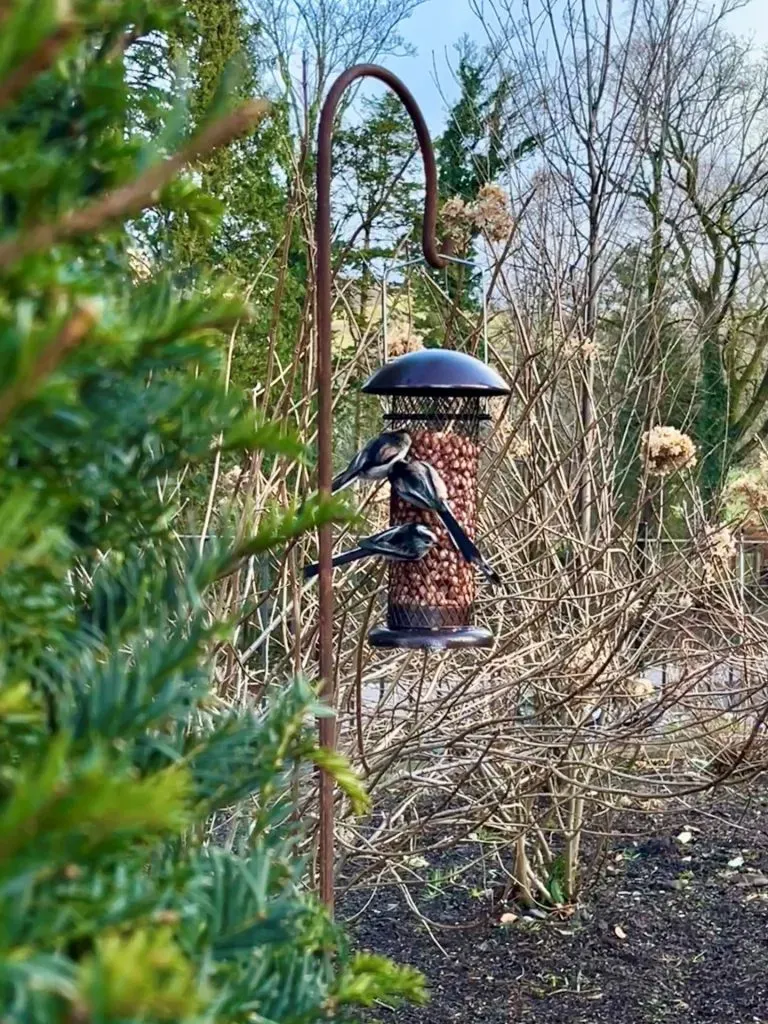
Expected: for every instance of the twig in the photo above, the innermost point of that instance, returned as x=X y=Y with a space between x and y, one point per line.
x=71 y=334
x=37 y=62
x=139 y=194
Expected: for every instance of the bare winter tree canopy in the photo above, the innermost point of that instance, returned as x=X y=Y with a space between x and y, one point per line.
x=310 y=41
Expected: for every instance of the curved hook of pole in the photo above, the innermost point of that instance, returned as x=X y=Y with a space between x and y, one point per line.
x=323 y=285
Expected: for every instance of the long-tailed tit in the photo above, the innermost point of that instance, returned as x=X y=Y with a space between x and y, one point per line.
x=421 y=485
x=374 y=461
x=407 y=543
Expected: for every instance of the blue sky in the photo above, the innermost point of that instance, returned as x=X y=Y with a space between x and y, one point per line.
x=433 y=29
x=437 y=25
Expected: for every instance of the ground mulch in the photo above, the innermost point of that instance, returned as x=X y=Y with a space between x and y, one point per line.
x=669 y=932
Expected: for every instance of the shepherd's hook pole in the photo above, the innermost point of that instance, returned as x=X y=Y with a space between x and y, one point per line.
x=323 y=285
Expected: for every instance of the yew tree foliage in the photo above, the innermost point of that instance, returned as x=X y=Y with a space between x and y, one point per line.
x=114 y=750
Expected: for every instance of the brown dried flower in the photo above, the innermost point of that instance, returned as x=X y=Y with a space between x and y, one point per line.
x=401 y=339
x=519 y=447
x=457 y=220
x=491 y=214
x=641 y=688
x=717 y=549
x=588 y=349
x=754 y=493
x=667 y=450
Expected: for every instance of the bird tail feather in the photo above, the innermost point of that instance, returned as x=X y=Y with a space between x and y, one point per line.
x=310 y=571
x=343 y=480
x=469 y=551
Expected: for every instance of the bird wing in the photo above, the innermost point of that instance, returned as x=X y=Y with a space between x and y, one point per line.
x=438 y=484
x=393 y=543
x=353 y=469
x=388 y=452
x=361 y=460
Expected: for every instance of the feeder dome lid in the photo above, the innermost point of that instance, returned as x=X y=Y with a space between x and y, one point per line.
x=436 y=371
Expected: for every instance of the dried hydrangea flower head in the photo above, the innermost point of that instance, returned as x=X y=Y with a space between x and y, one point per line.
x=749 y=491
x=667 y=450
x=754 y=493
x=588 y=349
x=571 y=346
x=457 y=221
x=583 y=658
x=717 y=549
x=519 y=447
x=401 y=339
x=491 y=213
x=640 y=688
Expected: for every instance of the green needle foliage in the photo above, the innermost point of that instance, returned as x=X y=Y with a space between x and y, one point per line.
x=114 y=753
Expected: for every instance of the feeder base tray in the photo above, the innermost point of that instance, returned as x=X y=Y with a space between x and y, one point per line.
x=431 y=639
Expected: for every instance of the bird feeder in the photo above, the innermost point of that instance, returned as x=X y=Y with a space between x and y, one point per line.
x=440 y=398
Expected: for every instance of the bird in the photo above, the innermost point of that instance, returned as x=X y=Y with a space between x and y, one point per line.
x=374 y=461
x=406 y=543
x=421 y=485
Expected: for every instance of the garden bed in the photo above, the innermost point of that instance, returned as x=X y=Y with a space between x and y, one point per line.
x=676 y=929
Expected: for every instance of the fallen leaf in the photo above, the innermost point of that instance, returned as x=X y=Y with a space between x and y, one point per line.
x=619 y=932
x=508 y=918
x=416 y=862
x=736 y=862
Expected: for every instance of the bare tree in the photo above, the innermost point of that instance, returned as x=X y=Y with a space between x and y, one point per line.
x=704 y=184
x=310 y=41
x=572 y=59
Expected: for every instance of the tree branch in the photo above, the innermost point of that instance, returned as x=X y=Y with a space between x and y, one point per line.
x=137 y=195
x=72 y=333
x=38 y=61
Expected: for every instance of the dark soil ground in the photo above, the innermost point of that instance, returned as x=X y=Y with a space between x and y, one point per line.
x=694 y=946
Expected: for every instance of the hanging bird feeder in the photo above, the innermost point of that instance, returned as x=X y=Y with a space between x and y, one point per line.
x=440 y=398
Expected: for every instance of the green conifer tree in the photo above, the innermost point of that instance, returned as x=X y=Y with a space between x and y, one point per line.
x=115 y=751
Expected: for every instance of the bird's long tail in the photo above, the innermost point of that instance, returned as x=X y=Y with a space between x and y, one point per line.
x=310 y=571
x=343 y=480
x=467 y=548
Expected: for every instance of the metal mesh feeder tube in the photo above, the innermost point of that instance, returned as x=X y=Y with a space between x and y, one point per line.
x=439 y=398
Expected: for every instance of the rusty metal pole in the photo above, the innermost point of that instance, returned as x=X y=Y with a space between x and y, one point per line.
x=323 y=286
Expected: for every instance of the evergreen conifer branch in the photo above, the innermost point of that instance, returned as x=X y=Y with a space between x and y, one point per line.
x=140 y=194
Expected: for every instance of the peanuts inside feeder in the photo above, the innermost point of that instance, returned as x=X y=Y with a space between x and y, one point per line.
x=439 y=397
